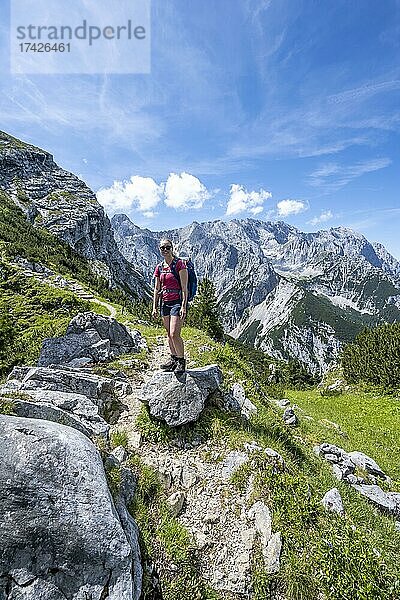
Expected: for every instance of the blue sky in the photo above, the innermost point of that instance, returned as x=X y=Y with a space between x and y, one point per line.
x=272 y=109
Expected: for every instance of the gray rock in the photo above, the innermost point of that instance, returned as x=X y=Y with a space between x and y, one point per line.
x=365 y=462
x=290 y=417
x=180 y=400
x=331 y=458
x=272 y=553
x=395 y=497
x=337 y=471
x=245 y=406
x=260 y=514
x=103 y=391
x=274 y=454
x=397 y=526
x=74 y=410
x=175 y=502
x=232 y=462
x=61 y=534
x=120 y=454
x=380 y=498
x=332 y=501
x=331 y=449
x=92 y=336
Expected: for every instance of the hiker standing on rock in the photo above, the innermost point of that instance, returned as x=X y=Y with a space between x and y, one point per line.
x=171 y=289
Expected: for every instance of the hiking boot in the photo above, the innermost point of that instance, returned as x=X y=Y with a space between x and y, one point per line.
x=180 y=366
x=170 y=365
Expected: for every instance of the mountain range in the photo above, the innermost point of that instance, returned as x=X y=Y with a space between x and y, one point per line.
x=289 y=293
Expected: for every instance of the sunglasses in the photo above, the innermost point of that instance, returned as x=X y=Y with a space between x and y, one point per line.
x=165 y=247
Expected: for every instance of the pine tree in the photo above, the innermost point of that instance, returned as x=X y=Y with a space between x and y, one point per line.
x=204 y=312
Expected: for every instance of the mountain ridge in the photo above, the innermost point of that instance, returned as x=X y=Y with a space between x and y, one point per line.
x=324 y=279
x=57 y=200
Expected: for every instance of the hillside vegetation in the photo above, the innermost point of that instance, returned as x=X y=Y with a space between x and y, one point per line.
x=354 y=557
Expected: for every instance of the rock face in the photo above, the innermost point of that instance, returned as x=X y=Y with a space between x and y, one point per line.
x=180 y=400
x=55 y=500
x=90 y=338
x=63 y=204
x=71 y=396
x=289 y=293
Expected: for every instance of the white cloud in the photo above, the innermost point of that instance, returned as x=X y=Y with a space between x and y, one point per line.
x=185 y=191
x=325 y=216
x=290 y=207
x=241 y=200
x=332 y=176
x=140 y=193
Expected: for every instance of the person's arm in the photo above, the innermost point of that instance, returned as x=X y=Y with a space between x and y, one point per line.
x=183 y=275
x=156 y=296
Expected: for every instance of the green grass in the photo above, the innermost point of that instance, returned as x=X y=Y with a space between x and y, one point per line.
x=119 y=438
x=370 y=423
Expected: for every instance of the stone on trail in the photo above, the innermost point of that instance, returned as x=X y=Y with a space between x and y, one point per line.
x=332 y=501
x=180 y=400
x=61 y=534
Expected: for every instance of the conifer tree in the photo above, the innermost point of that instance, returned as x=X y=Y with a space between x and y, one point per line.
x=374 y=356
x=204 y=312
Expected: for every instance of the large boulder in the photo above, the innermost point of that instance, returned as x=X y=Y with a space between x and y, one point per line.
x=61 y=534
x=91 y=338
x=180 y=400
x=75 y=410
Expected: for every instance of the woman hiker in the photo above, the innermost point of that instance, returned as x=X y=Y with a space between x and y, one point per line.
x=173 y=296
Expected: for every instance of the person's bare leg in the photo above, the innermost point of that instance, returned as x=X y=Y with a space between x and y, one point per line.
x=167 y=325
x=175 y=336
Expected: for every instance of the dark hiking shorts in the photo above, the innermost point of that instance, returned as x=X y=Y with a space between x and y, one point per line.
x=171 y=309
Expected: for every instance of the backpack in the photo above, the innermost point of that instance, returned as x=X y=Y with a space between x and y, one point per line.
x=192 y=277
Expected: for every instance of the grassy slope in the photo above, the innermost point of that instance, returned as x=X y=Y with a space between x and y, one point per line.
x=354 y=558
x=370 y=422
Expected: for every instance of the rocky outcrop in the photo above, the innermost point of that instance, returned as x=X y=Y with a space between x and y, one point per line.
x=344 y=465
x=181 y=400
x=70 y=396
x=62 y=536
x=90 y=338
x=57 y=200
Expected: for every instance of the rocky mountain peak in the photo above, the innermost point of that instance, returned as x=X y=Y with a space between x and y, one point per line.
x=57 y=200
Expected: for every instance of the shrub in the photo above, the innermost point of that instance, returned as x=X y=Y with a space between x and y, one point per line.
x=374 y=357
